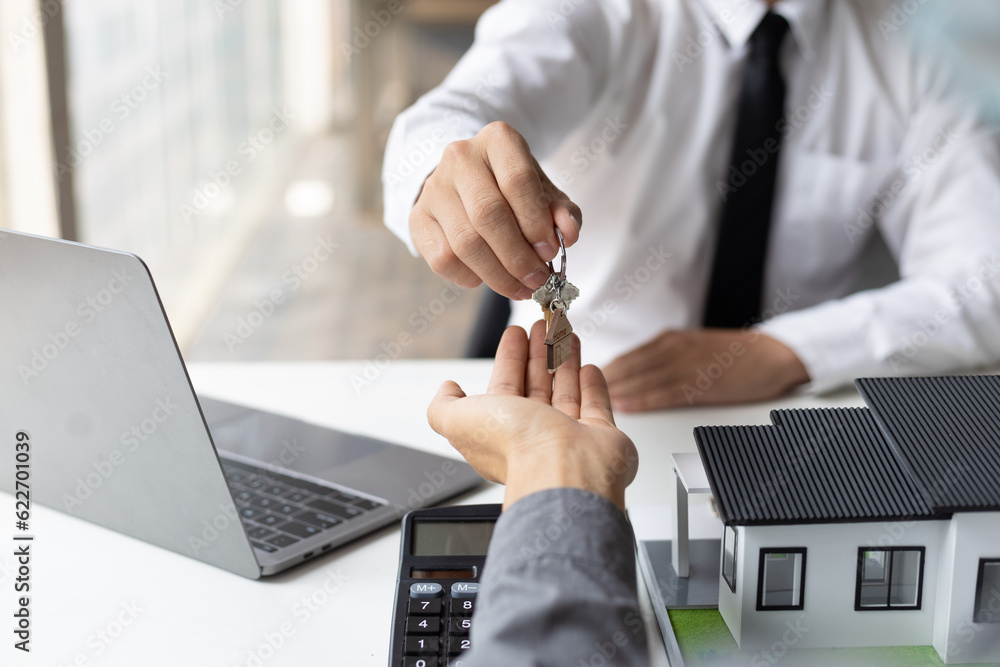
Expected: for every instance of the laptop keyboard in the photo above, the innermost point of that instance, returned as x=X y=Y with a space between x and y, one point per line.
x=279 y=510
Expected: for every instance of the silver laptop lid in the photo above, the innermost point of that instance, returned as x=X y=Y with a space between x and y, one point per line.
x=90 y=370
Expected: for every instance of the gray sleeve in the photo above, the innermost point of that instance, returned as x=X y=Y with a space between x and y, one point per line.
x=559 y=586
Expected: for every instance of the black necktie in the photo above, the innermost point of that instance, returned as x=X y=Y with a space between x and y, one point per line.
x=736 y=282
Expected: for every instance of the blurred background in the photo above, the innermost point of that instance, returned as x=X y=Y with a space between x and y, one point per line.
x=236 y=146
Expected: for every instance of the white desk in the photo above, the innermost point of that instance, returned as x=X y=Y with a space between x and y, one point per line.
x=154 y=607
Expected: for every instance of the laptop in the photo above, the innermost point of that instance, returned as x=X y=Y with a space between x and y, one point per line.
x=91 y=377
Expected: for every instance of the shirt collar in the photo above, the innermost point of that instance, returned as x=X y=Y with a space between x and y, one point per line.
x=737 y=19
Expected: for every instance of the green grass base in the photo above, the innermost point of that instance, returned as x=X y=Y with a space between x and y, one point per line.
x=705 y=641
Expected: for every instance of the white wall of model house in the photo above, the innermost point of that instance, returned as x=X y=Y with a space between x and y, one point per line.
x=971 y=536
x=828 y=618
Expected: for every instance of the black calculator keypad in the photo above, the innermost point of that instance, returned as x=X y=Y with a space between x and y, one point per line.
x=421 y=646
x=463 y=607
x=423 y=625
x=430 y=607
x=420 y=662
x=437 y=628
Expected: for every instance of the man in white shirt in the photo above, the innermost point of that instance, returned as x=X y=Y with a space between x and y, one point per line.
x=630 y=108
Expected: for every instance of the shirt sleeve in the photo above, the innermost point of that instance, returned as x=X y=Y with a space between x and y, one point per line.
x=940 y=216
x=559 y=586
x=535 y=64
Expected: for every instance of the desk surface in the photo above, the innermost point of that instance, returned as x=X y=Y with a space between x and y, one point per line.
x=101 y=598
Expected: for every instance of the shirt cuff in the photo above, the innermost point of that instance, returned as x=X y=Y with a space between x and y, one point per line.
x=563 y=524
x=830 y=340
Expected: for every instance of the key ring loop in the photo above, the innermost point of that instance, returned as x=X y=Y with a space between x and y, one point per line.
x=562 y=258
x=557 y=304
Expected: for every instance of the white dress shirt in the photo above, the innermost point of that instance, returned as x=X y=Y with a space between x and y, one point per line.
x=630 y=107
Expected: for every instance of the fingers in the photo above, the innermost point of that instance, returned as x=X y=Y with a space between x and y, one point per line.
x=565 y=214
x=521 y=181
x=595 y=401
x=566 y=383
x=538 y=379
x=432 y=244
x=511 y=364
x=439 y=410
x=488 y=213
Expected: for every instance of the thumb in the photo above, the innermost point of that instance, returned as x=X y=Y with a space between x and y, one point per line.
x=440 y=410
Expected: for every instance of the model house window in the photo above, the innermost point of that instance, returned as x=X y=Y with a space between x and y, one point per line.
x=729 y=557
x=890 y=578
x=988 y=591
x=781 y=579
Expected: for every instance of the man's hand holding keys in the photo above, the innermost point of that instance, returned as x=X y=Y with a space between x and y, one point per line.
x=488 y=213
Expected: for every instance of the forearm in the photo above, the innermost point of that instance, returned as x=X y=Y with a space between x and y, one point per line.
x=559 y=586
x=921 y=325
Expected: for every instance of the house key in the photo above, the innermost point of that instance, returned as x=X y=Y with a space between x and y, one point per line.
x=554 y=297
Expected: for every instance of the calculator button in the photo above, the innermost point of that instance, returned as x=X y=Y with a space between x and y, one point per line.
x=268 y=519
x=297 y=496
x=464 y=589
x=420 y=662
x=420 y=646
x=285 y=508
x=262 y=501
x=425 y=607
x=457 y=645
x=462 y=607
x=457 y=661
x=461 y=626
x=426 y=590
x=423 y=625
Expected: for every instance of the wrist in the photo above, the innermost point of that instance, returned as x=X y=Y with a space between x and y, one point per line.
x=563 y=465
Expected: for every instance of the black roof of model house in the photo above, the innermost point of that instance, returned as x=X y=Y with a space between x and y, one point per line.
x=925 y=448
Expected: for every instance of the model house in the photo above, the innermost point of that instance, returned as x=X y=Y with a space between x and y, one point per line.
x=865 y=527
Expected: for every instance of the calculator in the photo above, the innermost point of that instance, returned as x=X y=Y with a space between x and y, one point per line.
x=441 y=558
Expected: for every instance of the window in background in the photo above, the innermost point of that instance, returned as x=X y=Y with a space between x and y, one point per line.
x=178 y=119
x=889 y=578
x=781 y=579
x=729 y=557
x=988 y=592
